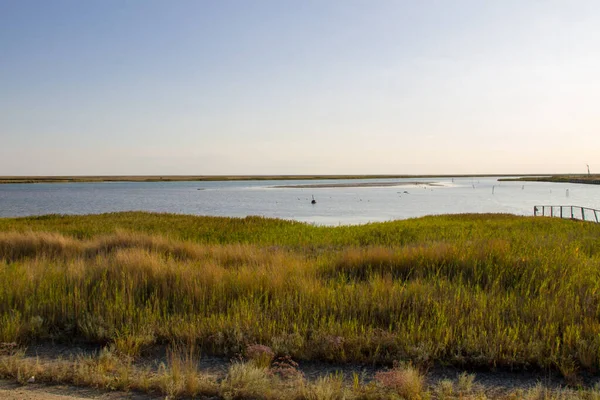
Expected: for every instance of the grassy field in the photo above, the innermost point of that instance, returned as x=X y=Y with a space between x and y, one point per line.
x=587 y=179
x=181 y=178
x=465 y=290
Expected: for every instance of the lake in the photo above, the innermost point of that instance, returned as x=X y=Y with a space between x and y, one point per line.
x=335 y=205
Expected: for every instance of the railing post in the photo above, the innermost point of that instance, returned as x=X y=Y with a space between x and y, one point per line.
x=541 y=211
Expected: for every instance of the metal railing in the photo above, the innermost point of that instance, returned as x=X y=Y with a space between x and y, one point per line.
x=570 y=212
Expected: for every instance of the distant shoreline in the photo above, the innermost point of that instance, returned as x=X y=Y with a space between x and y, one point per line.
x=218 y=178
x=585 y=179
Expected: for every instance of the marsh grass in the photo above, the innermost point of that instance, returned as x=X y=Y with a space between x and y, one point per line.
x=470 y=290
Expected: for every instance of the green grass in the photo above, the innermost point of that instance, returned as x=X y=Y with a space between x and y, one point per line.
x=466 y=290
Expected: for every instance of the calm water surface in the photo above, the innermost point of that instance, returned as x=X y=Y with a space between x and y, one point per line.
x=352 y=205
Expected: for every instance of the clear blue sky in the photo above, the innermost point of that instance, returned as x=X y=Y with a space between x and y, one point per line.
x=298 y=87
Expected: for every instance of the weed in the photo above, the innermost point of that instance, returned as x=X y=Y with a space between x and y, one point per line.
x=406 y=381
x=259 y=355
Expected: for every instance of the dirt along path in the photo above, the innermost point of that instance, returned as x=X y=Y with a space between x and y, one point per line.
x=13 y=391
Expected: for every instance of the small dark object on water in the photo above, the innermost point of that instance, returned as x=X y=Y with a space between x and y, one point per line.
x=313 y=201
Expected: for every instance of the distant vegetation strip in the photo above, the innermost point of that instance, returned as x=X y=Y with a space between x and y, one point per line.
x=207 y=178
x=465 y=290
x=586 y=179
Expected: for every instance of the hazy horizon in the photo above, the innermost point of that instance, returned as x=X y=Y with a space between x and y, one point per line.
x=298 y=88
x=447 y=175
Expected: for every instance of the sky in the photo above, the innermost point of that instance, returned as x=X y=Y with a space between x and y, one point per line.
x=148 y=87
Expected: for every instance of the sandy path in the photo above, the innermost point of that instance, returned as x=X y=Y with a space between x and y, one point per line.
x=13 y=391
x=26 y=394
x=354 y=185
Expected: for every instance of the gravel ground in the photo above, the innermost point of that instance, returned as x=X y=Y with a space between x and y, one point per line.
x=12 y=391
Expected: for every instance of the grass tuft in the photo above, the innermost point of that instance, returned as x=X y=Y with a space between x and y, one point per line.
x=406 y=381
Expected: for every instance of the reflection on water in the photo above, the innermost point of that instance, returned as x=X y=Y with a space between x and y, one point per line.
x=335 y=205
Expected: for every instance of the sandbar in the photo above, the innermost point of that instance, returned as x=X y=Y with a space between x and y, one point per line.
x=357 y=184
